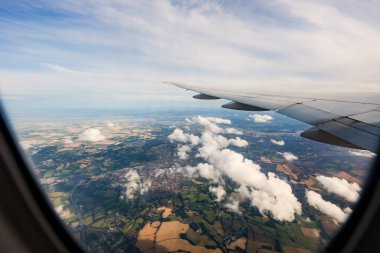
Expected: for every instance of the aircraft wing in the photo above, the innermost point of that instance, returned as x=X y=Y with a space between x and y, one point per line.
x=336 y=122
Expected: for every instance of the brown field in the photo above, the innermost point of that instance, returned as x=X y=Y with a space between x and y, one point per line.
x=265 y=159
x=149 y=229
x=286 y=170
x=295 y=250
x=156 y=224
x=348 y=177
x=309 y=182
x=315 y=189
x=174 y=245
x=240 y=242
x=145 y=239
x=168 y=239
x=171 y=230
x=359 y=172
x=310 y=232
x=167 y=211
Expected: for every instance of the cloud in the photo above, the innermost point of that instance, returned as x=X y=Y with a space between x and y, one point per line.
x=205 y=170
x=218 y=191
x=315 y=199
x=233 y=131
x=362 y=153
x=261 y=118
x=182 y=151
x=270 y=194
x=194 y=38
x=212 y=141
x=92 y=134
x=233 y=205
x=58 y=68
x=340 y=187
x=211 y=124
x=288 y=156
x=180 y=136
x=238 y=142
x=135 y=185
x=279 y=143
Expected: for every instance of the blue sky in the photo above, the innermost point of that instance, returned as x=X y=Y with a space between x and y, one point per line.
x=77 y=53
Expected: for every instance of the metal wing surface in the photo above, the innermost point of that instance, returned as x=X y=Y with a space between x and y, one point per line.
x=337 y=122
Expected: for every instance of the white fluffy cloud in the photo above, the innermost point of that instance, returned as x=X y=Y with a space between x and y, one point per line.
x=270 y=194
x=218 y=191
x=258 y=118
x=92 y=134
x=205 y=170
x=362 y=153
x=288 y=156
x=182 y=151
x=134 y=184
x=315 y=199
x=279 y=143
x=231 y=130
x=238 y=142
x=340 y=187
x=211 y=124
x=180 y=136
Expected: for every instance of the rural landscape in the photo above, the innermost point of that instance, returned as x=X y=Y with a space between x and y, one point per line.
x=153 y=183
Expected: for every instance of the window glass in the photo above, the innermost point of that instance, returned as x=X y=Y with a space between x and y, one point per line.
x=131 y=164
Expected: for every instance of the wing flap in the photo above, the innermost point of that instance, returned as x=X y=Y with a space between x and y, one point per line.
x=372 y=117
x=319 y=135
x=341 y=108
x=242 y=107
x=205 y=97
x=360 y=125
x=307 y=114
x=352 y=134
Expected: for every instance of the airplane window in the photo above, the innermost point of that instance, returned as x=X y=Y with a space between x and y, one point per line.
x=271 y=154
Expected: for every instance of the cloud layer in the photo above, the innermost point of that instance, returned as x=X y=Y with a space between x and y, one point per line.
x=135 y=184
x=261 y=118
x=362 y=153
x=326 y=207
x=279 y=142
x=218 y=191
x=340 y=187
x=267 y=192
x=288 y=156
